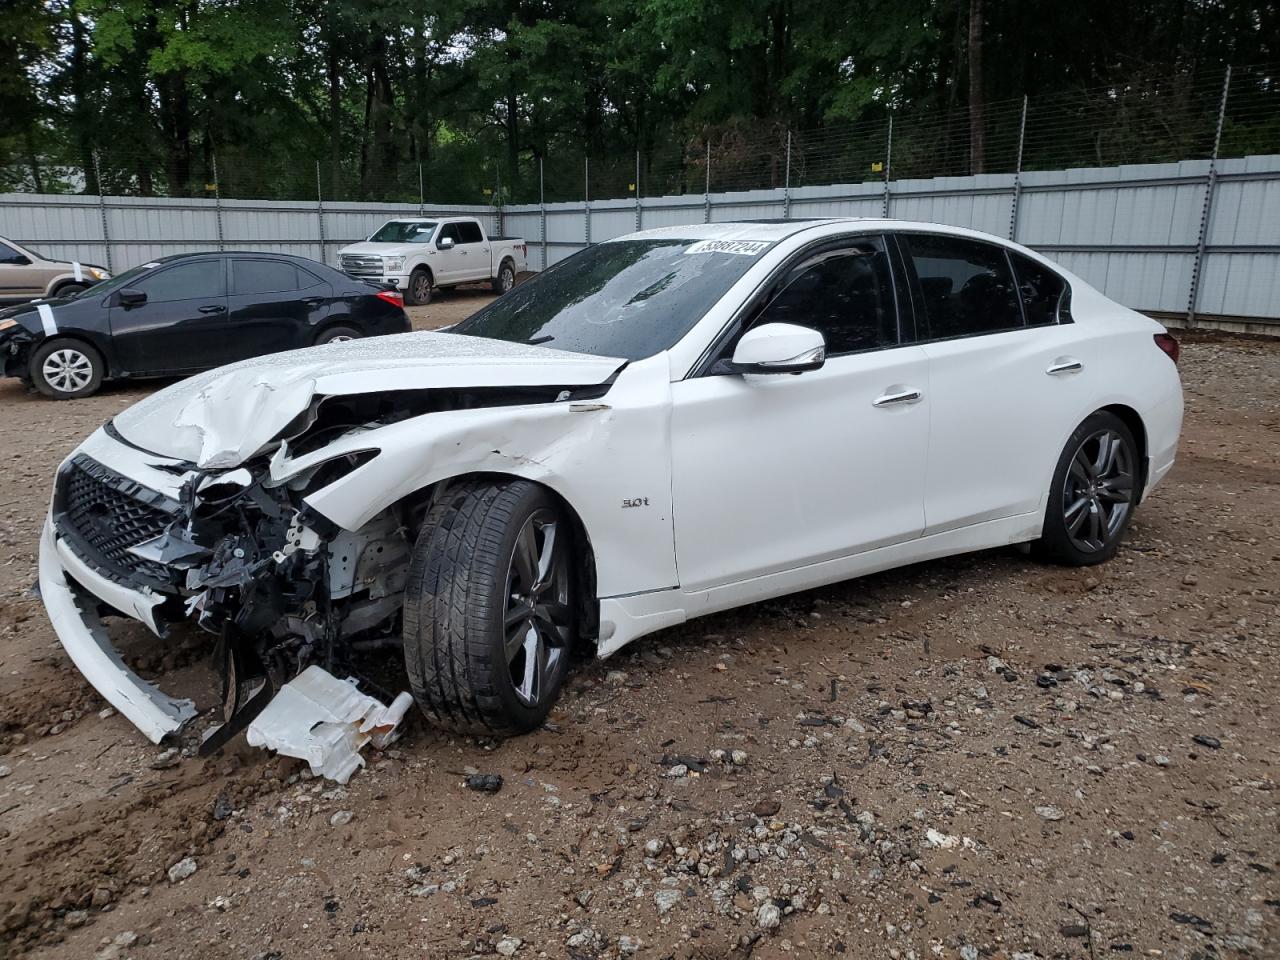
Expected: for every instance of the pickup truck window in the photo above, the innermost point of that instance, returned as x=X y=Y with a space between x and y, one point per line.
x=625 y=298
x=404 y=231
x=470 y=232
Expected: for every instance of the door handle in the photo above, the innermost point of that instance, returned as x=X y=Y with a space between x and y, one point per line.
x=213 y=308
x=902 y=397
x=312 y=301
x=1064 y=365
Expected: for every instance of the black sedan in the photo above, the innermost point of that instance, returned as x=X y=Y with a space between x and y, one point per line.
x=189 y=312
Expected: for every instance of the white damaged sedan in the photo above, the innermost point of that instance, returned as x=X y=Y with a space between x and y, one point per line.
x=664 y=425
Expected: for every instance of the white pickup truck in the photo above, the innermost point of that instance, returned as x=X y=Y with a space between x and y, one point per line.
x=420 y=255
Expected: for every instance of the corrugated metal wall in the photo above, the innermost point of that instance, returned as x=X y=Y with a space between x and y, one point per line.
x=132 y=230
x=1132 y=231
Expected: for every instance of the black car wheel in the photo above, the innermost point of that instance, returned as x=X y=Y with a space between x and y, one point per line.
x=69 y=289
x=419 y=292
x=1095 y=489
x=66 y=369
x=489 y=609
x=506 y=278
x=338 y=334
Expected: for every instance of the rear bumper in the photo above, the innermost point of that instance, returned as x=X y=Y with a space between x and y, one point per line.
x=71 y=590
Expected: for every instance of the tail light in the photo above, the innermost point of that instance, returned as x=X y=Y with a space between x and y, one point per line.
x=392 y=297
x=1169 y=345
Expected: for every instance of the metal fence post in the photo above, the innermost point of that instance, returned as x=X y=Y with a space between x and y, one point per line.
x=542 y=213
x=706 y=190
x=888 y=163
x=320 y=214
x=102 y=209
x=217 y=201
x=1017 y=174
x=422 y=195
x=637 y=189
x=586 y=200
x=1211 y=181
x=786 y=183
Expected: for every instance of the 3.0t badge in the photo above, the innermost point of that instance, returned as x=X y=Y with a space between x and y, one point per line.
x=635 y=502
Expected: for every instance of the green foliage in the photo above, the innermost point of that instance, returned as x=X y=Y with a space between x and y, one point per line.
x=475 y=100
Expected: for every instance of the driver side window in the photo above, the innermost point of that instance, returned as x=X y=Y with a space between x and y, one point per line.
x=846 y=294
x=449 y=232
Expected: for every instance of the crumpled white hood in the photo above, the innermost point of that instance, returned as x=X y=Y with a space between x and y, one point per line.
x=220 y=418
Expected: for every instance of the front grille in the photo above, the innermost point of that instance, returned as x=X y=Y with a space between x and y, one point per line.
x=101 y=514
x=362 y=266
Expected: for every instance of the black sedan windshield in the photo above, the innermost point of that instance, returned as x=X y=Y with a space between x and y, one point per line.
x=624 y=298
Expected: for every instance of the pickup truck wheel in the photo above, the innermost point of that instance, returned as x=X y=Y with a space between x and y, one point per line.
x=419 y=292
x=489 y=608
x=506 y=278
x=66 y=369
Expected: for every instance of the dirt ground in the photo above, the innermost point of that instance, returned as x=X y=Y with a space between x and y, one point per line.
x=976 y=757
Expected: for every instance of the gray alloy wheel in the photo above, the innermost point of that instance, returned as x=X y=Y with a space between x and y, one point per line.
x=537 y=626
x=1097 y=493
x=491 y=607
x=64 y=369
x=506 y=278
x=67 y=370
x=419 y=292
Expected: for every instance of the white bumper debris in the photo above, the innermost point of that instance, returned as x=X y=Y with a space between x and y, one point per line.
x=85 y=638
x=326 y=721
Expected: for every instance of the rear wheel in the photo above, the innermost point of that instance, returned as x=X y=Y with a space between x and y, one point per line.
x=339 y=334
x=419 y=292
x=66 y=369
x=489 y=618
x=69 y=289
x=506 y=278
x=1094 y=492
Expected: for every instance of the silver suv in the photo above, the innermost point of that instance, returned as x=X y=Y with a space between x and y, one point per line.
x=25 y=275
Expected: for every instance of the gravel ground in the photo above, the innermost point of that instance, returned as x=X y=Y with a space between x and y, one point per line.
x=976 y=757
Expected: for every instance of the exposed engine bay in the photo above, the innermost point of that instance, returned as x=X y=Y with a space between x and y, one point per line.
x=240 y=553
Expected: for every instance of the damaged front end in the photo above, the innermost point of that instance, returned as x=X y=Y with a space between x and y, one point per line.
x=237 y=552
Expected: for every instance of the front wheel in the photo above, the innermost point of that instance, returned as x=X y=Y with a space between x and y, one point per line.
x=1094 y=493
x=489 y=608
x=66 y=369
x=419 y=292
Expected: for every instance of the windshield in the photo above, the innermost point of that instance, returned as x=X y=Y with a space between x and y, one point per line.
x=404 y=231
x=119 y=280
x=624 y=298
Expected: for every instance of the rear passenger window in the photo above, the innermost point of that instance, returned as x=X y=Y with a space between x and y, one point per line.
x=470 y=233
x=967 y=286
x=846 y=295
x=1043 y=292
x=263 y=276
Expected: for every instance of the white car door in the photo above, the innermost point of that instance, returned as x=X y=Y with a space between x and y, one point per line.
x=476 y=260
x=1007 y=380
x=774 y=472
x=449 y=265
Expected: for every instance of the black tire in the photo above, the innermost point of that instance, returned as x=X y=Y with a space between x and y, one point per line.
x=464 y=587
x=1094 y=493
x=338 y=334
x=69 y=290
x=506 y=278
x=65 y=369
x=419 y=292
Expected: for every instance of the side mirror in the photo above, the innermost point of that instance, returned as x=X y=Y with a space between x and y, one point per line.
x=779 y=348
x=128 y=297
x=445 y=243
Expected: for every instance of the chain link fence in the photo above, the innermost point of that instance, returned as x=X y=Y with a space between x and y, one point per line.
x=1146 y=120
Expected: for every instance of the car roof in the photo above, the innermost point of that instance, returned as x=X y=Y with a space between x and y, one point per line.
x=234 y=253
x=773 y=230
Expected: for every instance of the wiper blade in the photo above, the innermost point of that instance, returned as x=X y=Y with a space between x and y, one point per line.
x=534 y=341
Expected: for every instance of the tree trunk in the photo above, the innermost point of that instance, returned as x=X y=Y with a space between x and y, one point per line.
x=334 y=71
x=79 y=104
x=977 y=100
